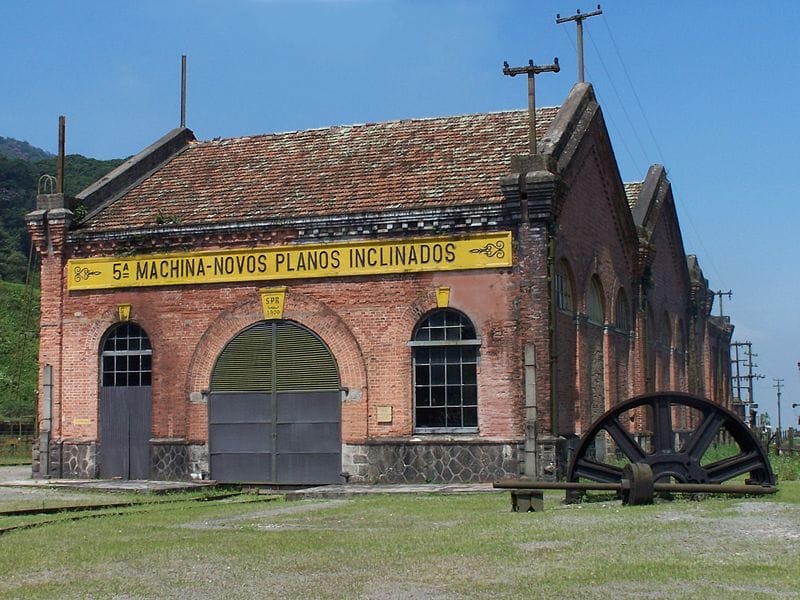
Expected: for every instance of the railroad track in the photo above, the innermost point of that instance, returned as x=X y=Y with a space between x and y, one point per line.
x=77 y=512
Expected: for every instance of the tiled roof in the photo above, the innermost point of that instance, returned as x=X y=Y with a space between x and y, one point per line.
x=397 y=165
x=632 y=191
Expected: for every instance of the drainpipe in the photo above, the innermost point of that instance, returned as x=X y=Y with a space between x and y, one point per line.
x=551 y=330
x=46 y=424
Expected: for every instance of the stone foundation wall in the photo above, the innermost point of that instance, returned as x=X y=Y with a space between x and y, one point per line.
x=176 y=460
x=430 y=462
x=65 y=460
x=79 y=460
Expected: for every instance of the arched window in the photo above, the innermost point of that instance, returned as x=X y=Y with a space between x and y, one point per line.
x=562 y=288
x=595 y=302
x=127 y=358
x=680 y=343
x=622 y=313
x=666 y=332
x=445 y=357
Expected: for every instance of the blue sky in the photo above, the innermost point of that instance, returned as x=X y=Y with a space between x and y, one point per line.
x=709 y=89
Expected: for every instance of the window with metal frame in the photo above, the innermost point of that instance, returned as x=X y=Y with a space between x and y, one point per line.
x=563 y=288
x=622 y=318
x=445 y=366
x=127 y=357
x=595 y=304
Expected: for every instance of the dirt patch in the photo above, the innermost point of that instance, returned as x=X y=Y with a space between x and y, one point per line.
x=407 y=591
x=544 y=545
x=253 y=518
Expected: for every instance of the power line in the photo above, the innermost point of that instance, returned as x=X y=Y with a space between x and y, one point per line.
x=610 y=118
x=633 y=90
x=698 y=238
x=619 y=98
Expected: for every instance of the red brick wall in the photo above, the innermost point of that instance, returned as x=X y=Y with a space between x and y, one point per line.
x=366 y=323
x=668 y=302
x=596 y=238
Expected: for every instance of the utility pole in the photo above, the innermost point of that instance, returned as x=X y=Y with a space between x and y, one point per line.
x=778 y=385
x=720 y=293
x=531 y=71
x=738 y=402
x=183 y=90
x=579 y=19
x=745 y=360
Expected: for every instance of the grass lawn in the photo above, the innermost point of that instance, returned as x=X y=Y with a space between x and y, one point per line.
x=464 y=546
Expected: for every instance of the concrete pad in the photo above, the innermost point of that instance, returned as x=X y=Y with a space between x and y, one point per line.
x=20 y=477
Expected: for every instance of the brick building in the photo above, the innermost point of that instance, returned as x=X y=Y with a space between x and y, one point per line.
x=417 y=300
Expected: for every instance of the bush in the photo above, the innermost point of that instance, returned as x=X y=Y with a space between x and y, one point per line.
x=15 y=450
x=786 y=466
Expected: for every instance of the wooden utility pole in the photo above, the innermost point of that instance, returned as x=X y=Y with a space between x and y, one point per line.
x=746 y=361
x=531 y=71
x=183 y=90
x=720 y=293
x=778 y=385
x=62 y=137
x=579 y=18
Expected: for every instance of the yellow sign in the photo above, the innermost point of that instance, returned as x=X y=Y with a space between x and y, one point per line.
x=272 y=300
x=124 y=311
x=301 y=261
x=442 y=297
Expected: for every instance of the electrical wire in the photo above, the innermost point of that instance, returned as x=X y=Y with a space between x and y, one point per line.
x=611 y=121
x=707 y=257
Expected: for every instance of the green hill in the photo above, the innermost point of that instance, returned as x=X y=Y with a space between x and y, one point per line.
x=18 y=187
x=19 y=347
x=11 y=148
x=21 y=166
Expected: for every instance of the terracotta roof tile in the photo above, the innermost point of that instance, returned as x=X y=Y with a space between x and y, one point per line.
x=397 y=165
x=632 y=191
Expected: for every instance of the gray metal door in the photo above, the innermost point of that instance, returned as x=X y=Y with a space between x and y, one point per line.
x=125 y=403
x=125 y=432
x=274 y=413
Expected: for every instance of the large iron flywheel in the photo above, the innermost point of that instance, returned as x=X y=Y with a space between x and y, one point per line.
x=673 y=433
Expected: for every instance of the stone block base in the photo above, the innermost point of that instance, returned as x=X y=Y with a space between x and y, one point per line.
x=427 y=461
x=65 y=460
x=172 y=460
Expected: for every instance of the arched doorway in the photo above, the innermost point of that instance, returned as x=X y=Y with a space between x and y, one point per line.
x=274 y=408
x=126 y=365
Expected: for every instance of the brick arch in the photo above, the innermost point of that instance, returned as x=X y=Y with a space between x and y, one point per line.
x=97 y=331
x=403 y=327
x=298 y=307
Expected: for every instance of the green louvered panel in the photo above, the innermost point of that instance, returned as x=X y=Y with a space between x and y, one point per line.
x=294 y=356
x=246 y=363
x=303 y=362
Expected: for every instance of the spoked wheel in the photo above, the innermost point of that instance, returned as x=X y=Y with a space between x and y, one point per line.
x=674 y=453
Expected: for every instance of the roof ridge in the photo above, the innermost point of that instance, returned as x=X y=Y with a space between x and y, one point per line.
x=222 y=140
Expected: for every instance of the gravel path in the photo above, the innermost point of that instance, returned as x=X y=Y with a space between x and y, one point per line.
x=10 y=493
x=15 y=473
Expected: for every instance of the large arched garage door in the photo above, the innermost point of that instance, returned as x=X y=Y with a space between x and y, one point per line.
x=274 y=409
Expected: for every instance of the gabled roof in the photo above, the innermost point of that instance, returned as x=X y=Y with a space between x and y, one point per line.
x=653 y=198
x=655 y=208
x=398 y=165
